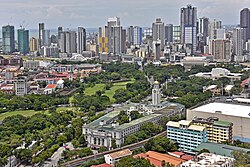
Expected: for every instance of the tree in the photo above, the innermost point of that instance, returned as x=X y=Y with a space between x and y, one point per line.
x=160 y=144
x=204 y=150
x=61 y=139
x=113 y=144
x=75 y=143
x=102 y=149
x=241 y=157
x=3 y=161
x=23 y=154
x=133 y=162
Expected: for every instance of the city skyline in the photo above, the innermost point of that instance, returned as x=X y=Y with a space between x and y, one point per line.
x=92 y=14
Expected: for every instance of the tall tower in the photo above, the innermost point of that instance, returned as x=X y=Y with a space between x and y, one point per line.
x=238 y=43
x=81 y=40
x=68 y=42
x=23 y=40
x=245 y=21
x=156 y=93
x=169 y=33
x=159 y=31
x=8 y=35
x=202 y=26
x=137 y=35
x=114 y=35
x=41 y=35
x=188 y=27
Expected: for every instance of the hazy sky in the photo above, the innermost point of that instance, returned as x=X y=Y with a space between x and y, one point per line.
x=94 y=13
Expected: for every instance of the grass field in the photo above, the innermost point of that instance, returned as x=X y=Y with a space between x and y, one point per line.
x=25 y=113
x=92 y=90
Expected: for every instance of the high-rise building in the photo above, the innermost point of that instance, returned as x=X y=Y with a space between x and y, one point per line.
x=68 y=42
x=46 y=41
x=202 y=26
x=33 y=44
x=188 y=28
x=156 y=94
x=103 y=39
x=245 y=21
x=159 y=32
x=41 y=35
x=176 y=34
x=23 y=41
x=8 y=36
x=168 y=33
x=81 y=40
x=238 y=43
x=130 y=33
x=220 y=49
x=213 y=26
x=137 y=35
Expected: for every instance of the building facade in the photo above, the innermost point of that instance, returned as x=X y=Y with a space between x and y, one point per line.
x=168 y=33
x=220 y=49
x=8 y=35
x=68 y=42
x=21 y=87
x=159 y=32
x=81 y=40
x=33 y=44
x=23 y=41
x=41 y=35
x=238 y=43
x=186 y=135
x=245 y=21
x=156 y=94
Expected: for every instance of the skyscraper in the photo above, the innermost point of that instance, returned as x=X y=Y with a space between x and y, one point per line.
x=245 y=21
x=81 y=40
x=202 y=26
x=238 y=43
x=46 y=38
x=103 y=39
x=41 y=35
x=188 y=27
x=23 y=41
x=33 y=44
x=213 y=26
x=130 y=33
x=8 y=35
x=220 y=49
x=159 y=32
x=169 y=33
x=137 y=35
x=68 y=42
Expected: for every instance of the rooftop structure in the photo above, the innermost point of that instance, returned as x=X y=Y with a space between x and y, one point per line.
x=113 y=157
x=209 y=159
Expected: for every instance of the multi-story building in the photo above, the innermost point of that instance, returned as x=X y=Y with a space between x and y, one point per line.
x=202 y=27
x=33 y=44
x=50 y=51
x=159 y=32
x=237 y=113
x=209 y=159
x=31 y=64
x=137 y=36
x=176 y=34
x=105 y=130
x=81 y=40
x=103 y=39
x=156 y=94
x=23 y=41
x=238 y=43
x=68 y=42
x=8 y=37
x=245 y=21
x=220 y=49
x=218 y=130
x=41 y=35
x=168 y=33
x=186 y=135
x=21 y=87
x=188 y=28
x=47 y=40
x=213 y=26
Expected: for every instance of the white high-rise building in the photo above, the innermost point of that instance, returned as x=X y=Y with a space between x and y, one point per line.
x=159 y=32
x=238 y=43
x=81 y=40
x=156 y=93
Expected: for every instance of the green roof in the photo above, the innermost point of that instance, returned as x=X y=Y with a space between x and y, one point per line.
x=222 y=123
x=220 y=149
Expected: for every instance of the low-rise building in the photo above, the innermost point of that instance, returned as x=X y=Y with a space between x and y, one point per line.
x=209 y=159
x=50 y=88
x=116 y=156
x=22 y=86
x=186 y=135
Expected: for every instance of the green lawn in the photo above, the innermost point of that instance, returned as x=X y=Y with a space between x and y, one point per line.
x=92 y=90
x=25 y=113
x=62 y=109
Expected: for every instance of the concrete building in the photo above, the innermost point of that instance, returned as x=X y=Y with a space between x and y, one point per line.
x=50 y=51
x=218 y=130
x=104 y=130
x=211 y=160
x=103 y=39
x=220 y=49
x=157 y=50
x=245 y=21
x=47 y=40
x=176 y=34
x=202 y=34
x=33 y=44
x=31 y=64
x=41 y=35
x=116 y=156
x=169 y=33
x=236 y=113
x=137 y=36
x=21 y=86
x=238 y=44
x=213 y=26
x=68 y=42
x=186 y=135
x=188 y=28
x=23 y=41
x=158 y=30
x=81 y=40
x=8 y=39
x=156 y=94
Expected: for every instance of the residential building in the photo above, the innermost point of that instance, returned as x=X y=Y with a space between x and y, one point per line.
x=209 y=159
x=218 y=130
x=8 y=38
x=116 y=156
x=168 y=33
x=21 y=86
x=213 y=26
x=158 y=30
x=156 y=94
x=245 y=21
x=23 y=41
x=130 y=32
x=67 y=42
x=238 y=43
x=137 y=36
x=41 y=35
x=157 y=50
x=186 y=135
x=176 y=34
x=103 y=39
x=50 y=88
x=81 y=40
x=236 y=113
x=33 y=44
x=202 y=34
x=220 y=49
x=50 y=51
x=188 y=28
x=31 y=64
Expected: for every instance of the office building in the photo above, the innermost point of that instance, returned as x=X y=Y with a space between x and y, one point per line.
x=213 y=26
x=209 y=159
x=158 y=31
x=177 y=34
x=130 y=32
x=41 y=35
x=188 y=28
x=156 y=94
x=238 y=43
x=23 y=41
x=238 y=114
x=46 y=41
x=186 y=135
x=81 y=40
x=137 y=36
x=156 y=50
x=220 y=49
x=21 y=87
x=68 y=42
x=148 y=32
x=245 y=21
x=8 y=37
x=103 y=39
x=169 y=33
x=33 y=44
x=202 y=26
x=218 y=130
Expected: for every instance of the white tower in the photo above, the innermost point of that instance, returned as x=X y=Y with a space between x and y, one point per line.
x=156 y=94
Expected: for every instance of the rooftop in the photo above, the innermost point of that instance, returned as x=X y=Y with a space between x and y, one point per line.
x=121 y=153
x=222 y=123
x=225 y=109
x=187 y=123
x=51 y=86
